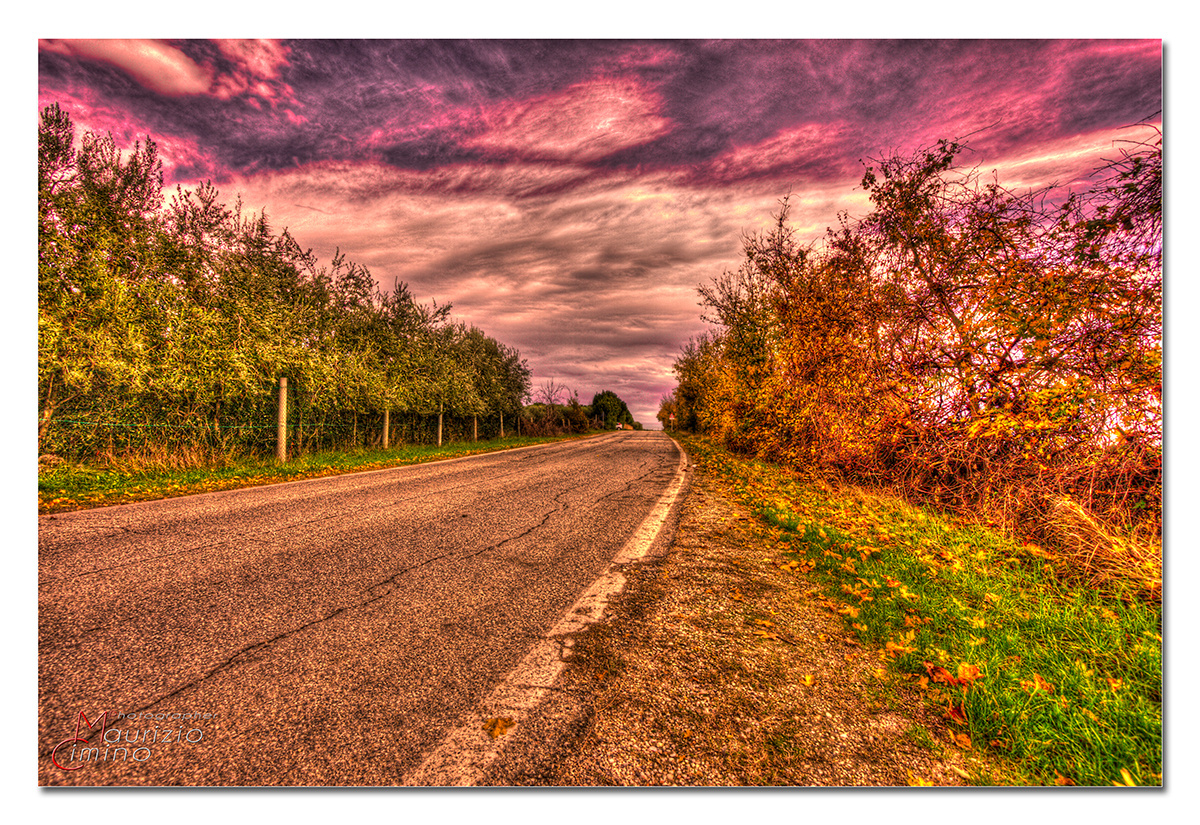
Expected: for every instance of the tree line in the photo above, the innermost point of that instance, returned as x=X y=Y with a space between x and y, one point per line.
x=974 y=346
x=165 y=324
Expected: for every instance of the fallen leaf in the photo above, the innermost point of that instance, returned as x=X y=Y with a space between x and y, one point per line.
x=960 y=772
x=498 y=727
x=1035 y=684
x=939 y=674
x=809 y=680
x=968 y=673
x=918 y=782
x=962 y=740
x=1059 y=779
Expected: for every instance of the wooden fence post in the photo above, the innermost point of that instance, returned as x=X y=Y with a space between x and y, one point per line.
x=387 y=414
x=281 y=432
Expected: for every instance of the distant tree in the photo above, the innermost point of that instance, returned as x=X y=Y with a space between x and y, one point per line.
x=668 y=411
x=552 y=393
x=609 y=409
x=575 y=417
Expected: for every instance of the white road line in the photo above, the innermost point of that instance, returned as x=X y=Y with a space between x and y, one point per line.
x=466 y=751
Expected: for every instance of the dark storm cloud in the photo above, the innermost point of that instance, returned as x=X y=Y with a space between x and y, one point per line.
x=424 y=104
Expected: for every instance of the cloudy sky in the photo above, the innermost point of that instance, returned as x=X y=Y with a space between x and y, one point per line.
x=567 y=197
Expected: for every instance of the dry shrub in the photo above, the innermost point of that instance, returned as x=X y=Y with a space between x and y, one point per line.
x=1109 y=551
x=1100 y=515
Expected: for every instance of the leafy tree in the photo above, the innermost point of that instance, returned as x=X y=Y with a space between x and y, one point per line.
x=97 y=276
x=164 y=326
x=962 y=340
x=608 y=408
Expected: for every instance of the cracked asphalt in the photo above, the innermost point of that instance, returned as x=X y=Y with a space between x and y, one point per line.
x=323 y=632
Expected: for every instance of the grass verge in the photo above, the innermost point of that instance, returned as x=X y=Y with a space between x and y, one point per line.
x=1061 y=682
x=80 y=486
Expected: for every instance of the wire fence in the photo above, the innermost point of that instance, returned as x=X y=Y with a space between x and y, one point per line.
x=202 y=438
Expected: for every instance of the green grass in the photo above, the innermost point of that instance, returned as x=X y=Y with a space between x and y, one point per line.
x=1062 y=684
x=80 y=486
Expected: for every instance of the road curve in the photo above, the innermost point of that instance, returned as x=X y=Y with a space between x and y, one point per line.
x=325 y=632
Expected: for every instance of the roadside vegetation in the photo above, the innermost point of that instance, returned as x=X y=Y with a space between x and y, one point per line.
x=167 y=321
x=80 y=486
x=952 y=408
x=971 y=347
x=1057 y=684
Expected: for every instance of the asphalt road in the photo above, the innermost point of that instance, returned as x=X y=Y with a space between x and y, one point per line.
x=324 y=632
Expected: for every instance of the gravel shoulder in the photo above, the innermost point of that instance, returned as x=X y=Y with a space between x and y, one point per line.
x=718 y=668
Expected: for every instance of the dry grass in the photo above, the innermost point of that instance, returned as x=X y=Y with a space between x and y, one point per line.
x=1099 y=557
x=1118 y=559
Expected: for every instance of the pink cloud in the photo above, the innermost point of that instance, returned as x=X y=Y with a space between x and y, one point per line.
x=1071 y=161
x=258 y=64
x=809 y=143
x=584 y=122
x=646 y=54
x=261 y=58
x=154 y=64
x=163 y=68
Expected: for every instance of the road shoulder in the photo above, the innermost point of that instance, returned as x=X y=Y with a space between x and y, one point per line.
x=716 y=668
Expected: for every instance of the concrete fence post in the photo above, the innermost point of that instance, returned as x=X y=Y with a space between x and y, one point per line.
x=281 y=432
